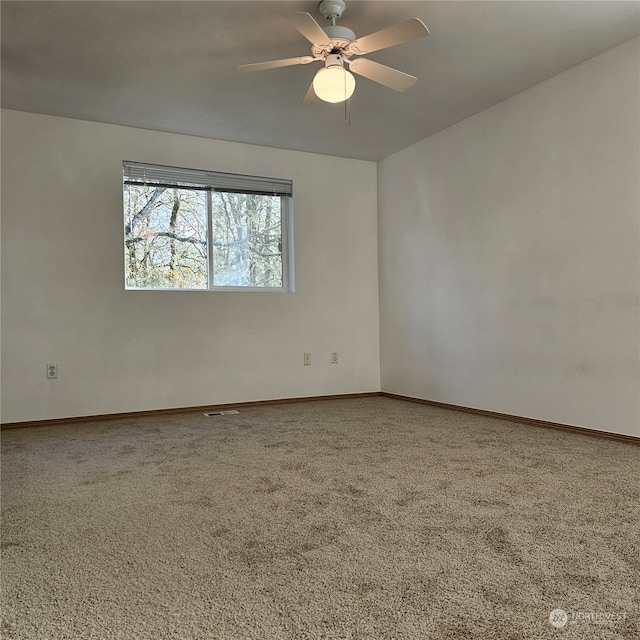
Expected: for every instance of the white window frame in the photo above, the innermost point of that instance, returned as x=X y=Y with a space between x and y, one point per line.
x=177 y=177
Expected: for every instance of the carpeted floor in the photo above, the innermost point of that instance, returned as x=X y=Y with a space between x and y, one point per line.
x=352 y=519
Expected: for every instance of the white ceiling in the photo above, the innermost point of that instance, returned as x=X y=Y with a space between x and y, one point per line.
x=169 y=65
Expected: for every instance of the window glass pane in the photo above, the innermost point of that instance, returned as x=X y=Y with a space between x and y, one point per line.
x=165 y=237
x=200 y=229
x=247 y=240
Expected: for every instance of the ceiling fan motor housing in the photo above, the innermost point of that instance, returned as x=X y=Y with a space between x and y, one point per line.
x=340 y=39
x=340 y=33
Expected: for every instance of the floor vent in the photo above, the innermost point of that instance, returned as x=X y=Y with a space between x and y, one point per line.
x=220 y=413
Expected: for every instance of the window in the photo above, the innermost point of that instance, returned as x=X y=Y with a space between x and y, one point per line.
x=196 y=229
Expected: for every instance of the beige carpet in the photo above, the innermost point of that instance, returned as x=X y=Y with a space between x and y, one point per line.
x=352 y=519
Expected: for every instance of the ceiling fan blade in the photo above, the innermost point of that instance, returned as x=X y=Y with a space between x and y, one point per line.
x=311 y=97
x=274 y=64
x=309 y=28
x=387 y=76
x=411 y=29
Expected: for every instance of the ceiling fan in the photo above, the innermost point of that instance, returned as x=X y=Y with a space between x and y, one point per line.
x=335 y=45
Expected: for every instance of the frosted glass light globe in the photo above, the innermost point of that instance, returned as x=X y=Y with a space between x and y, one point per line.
x=334 y=84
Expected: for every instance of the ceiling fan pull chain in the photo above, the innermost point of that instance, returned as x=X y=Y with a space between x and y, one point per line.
x=347 y=100
x=347 y=110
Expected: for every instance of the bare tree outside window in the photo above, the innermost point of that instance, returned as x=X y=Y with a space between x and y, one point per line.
x=247 y=234
x=165 y=238
x=187 y=237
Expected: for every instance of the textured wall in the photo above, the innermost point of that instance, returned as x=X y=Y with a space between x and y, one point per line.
x=509 y=254
x=63 y=297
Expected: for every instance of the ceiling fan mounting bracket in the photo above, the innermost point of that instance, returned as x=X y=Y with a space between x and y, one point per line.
x=332 y=9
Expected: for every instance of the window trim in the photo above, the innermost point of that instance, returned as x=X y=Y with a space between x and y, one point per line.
x=143 y=174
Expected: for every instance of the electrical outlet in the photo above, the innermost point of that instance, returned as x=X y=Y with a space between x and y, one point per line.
x=307 y=358
x=334 y=357
x=52 y=370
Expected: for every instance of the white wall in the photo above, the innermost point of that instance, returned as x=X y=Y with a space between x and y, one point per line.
x=509 y=254
x=63 y=297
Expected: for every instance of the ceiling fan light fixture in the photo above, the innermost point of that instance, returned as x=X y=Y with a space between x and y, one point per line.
x=334 y=83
